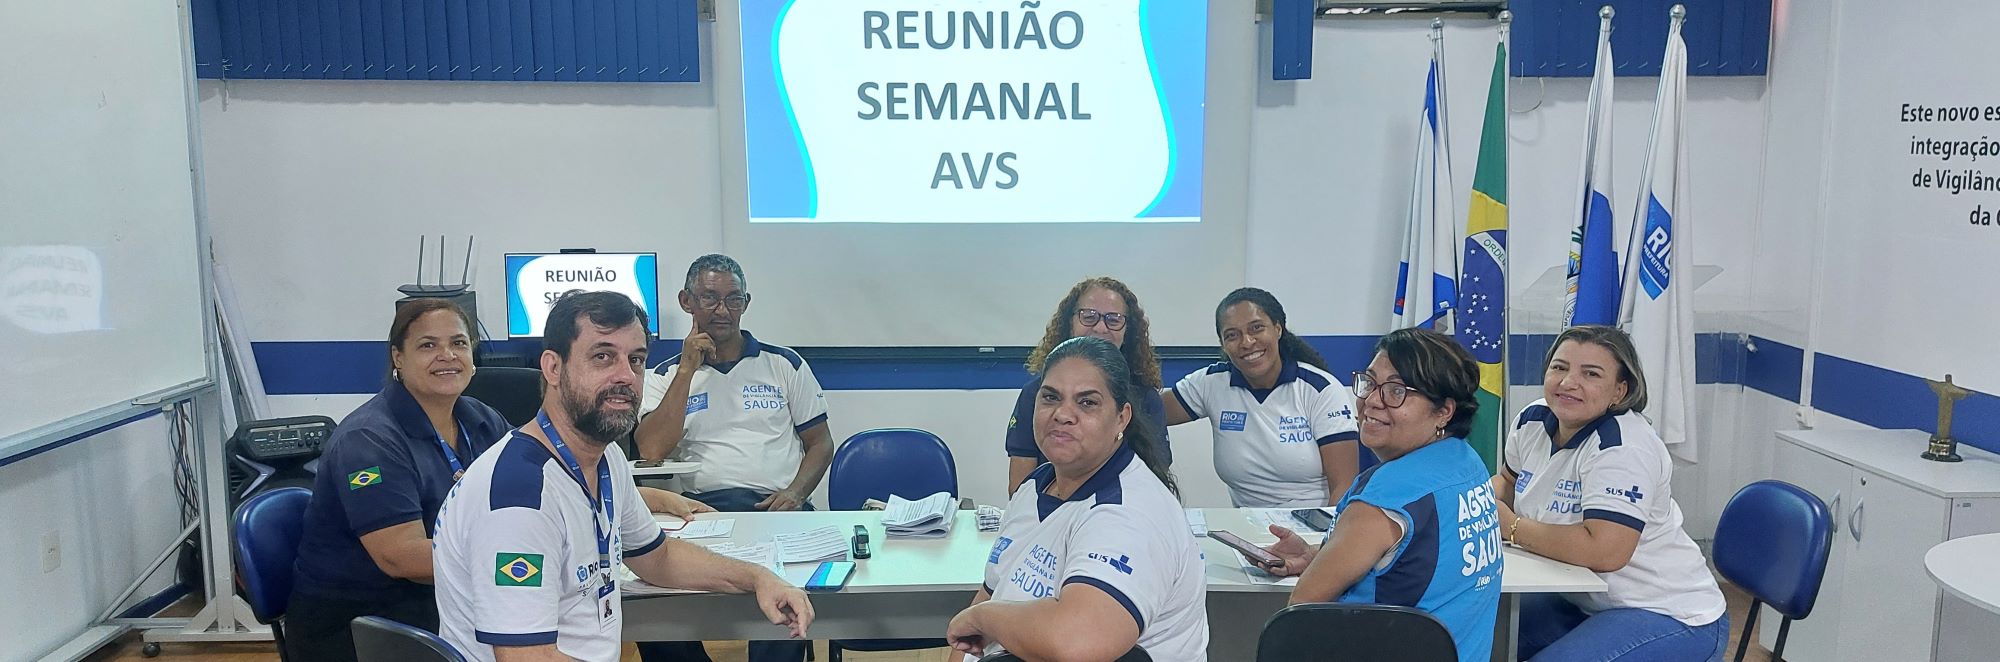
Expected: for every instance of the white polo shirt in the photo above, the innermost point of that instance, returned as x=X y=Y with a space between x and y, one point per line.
x=744 y=418
x=1616 y=469
x=1120 y=532
x=515 y=556
x=1267 y=441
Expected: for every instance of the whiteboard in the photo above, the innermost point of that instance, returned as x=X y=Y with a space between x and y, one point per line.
x=101 y=296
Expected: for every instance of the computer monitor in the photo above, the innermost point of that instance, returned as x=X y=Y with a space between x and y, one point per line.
x=535 y=280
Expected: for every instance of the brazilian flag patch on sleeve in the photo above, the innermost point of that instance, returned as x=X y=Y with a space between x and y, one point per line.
x=364 y=478
x=516 y=569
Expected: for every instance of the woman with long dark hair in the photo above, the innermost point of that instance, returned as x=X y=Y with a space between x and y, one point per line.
x=1083 y=568
x=1284 y=426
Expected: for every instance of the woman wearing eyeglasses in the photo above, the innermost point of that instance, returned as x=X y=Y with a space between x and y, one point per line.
x=1588 y=481
x=1284 y=427
x=1421 y=529
x=1099 y=307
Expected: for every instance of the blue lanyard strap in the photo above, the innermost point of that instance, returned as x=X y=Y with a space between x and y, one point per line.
x=457 y=468
x=601 y=507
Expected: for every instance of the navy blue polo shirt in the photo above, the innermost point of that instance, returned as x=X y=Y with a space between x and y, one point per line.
x=382 y=467
x=1021 y=426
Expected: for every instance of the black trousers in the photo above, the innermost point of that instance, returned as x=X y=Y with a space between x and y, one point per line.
x=319 y=628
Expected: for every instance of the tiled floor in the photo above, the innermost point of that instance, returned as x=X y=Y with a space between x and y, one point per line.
x=128 y=648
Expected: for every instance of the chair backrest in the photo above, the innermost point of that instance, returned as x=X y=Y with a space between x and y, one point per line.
x=874 y=464
x=1354 y=633
x=1773 y=541
x=1137 y=654
x=266 y=532
x=514 y=392
x=377 y=639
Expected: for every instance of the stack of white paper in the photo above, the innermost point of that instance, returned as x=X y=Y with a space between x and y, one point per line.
x=1197 y=522
x=929 y=517
x=988 y=518
x=1283 y=518
x=707 y=528
x=764 y=554
x=825 y=543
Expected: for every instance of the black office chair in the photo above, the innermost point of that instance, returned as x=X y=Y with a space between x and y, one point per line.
x=1354 y=633
x=377 y=639
x=514 y=392
x=1137 y=654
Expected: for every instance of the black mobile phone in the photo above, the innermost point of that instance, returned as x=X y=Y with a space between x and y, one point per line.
x=860 y=542
x=830 y=576
x=1315 y=518
x=1254 y=553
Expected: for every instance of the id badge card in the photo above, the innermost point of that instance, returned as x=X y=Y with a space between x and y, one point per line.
x=607 y=604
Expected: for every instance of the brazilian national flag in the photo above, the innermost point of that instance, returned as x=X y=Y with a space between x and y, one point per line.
x=1482 y=286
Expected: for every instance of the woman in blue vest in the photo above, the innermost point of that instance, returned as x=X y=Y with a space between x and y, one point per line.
x=1421 y=529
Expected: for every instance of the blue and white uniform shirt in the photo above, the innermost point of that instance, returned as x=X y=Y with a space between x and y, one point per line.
x=743 y=418
x=516 y=554
x=1448 y=560
x=1122 y=532
x=1617 y=470
x=1267 y=441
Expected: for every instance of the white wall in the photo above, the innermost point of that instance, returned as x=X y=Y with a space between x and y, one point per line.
x=110 y=502
x=317 y=187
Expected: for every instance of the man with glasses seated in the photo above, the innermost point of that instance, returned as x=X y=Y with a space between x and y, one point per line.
x=750 y=412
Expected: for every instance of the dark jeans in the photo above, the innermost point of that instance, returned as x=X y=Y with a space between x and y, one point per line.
x=318 y=629
x=1553 y=630
x=732 y=500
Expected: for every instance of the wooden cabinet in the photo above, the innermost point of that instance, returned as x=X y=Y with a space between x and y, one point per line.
x=1889 y=508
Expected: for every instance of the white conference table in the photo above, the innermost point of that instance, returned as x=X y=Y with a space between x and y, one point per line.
x=1964 y=567
x=911 y=587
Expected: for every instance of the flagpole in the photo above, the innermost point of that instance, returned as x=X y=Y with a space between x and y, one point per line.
x=1506 y=270
x=1630 y=269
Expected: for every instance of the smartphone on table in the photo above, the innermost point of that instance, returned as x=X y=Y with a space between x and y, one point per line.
x=830 y=576
x=1315 y=518
x=1254 y=553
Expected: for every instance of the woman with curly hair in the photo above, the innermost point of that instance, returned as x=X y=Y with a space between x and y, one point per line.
x=1099 y=307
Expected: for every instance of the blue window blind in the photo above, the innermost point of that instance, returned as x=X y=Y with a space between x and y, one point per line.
x=637 y=41
x=1559 y=37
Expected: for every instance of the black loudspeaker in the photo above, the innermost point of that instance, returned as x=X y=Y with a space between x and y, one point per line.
x=272 y=453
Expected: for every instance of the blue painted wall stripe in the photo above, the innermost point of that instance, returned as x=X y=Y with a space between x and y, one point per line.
x=1883 y=398
x=358 y=366
x=1872 y=395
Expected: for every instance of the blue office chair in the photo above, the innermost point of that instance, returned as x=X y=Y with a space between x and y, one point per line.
x=1331 y=631
x=377 y=639
x=1773 y=541
x=266 y=531
x=874 y=464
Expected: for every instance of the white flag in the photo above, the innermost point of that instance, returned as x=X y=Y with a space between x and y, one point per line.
x=1591 y=283
x=1658 y=285
x=1427 y=280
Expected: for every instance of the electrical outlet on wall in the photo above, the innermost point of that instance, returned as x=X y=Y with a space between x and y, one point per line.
x=51 y=551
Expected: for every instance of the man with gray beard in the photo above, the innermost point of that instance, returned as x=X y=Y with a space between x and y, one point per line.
x=529 y=541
